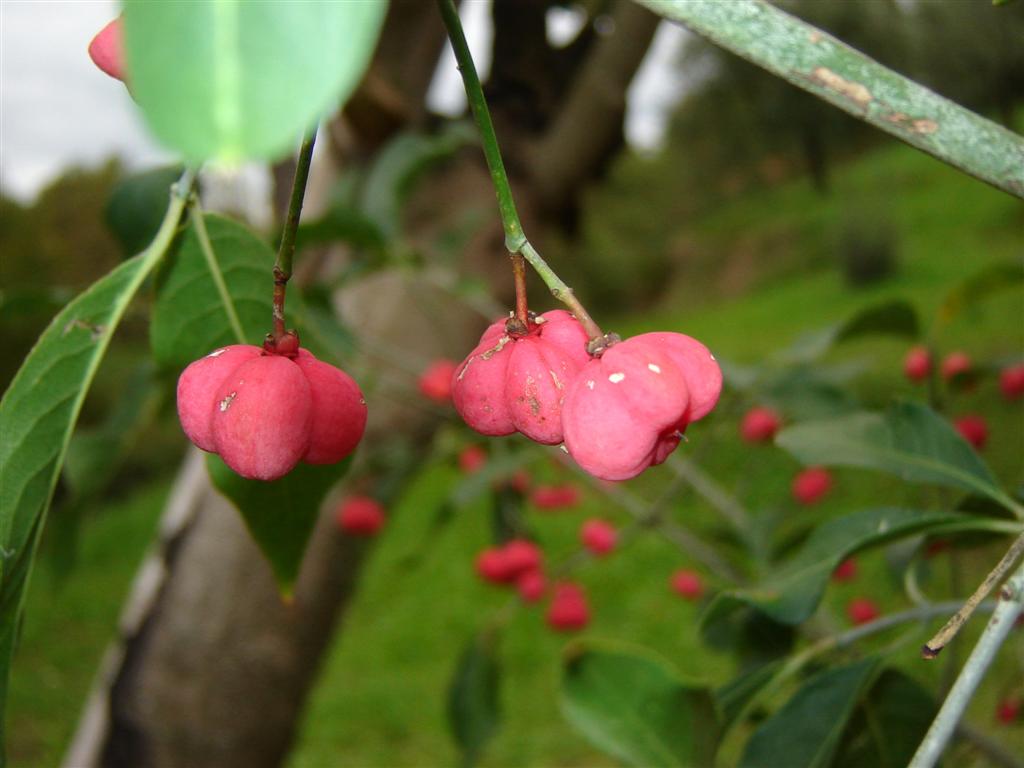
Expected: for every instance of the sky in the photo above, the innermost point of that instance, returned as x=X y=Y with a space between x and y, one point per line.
x=57 y=109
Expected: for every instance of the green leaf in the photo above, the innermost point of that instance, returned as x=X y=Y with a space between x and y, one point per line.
x=38 y=414
x=635 y=708
x=137 y=206
x=1004 y=276
x=233 y=80
x=910 y=440
x=280 y=514
x=888 y=318
x=802 y=392
x=732 y=698
x=817 y=62
x=393 y=175
x=189 y=316
x=474 y=711
x=792 y=595
x=808 y=728
x=888 y=724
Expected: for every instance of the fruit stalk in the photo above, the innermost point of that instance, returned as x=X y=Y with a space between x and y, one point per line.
x=522 y=306
x=515 y=238
x=286 y=251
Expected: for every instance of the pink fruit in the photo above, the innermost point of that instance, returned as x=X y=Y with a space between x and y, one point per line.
x=862 y=610
x=598 y=536
x=626 y=410
x=973 y=429
x=845 y=571
x=760 y=425
x=1008 y=710
x=955 y=364
x=517 y=384
x=521 y=556
x=339 y=412
x=1011 y=382
x=568 y=609
x=472 y=459
x=555 y=496
x=492 y=565
x=435 y=382
x=917 y=365
x=687 y=584
x=810 y=485
x=198 y=385
x=107 y=50
x=360 y=516
x=262 y=418
x=532 y=585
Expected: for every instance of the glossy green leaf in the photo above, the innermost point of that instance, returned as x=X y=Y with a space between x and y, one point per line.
x=808 y=728
x=635 y=708
x=792 y=595
x=235 y=80
x=888 y=318
x=280 y=514
x=189 y=316
x=888 y=724
x=817 y=62
x=910 y=440
x=996 y=278
x=733 y=697
x=474 y=707
x=38 y=414
x=137 y=206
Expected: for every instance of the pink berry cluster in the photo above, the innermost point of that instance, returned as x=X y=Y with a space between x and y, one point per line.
x=263 y=412
x=617 y=413
x=360 y=516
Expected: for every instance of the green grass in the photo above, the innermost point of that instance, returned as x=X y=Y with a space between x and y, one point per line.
x=380 y=698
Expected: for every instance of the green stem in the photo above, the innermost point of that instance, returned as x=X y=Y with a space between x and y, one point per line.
x=198 y=221
x=515 y=238
x=286 y=251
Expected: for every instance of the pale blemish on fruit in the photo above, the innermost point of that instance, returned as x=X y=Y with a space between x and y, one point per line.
x=554 y=377
x=590 y=383
x=653 y=367
x=226 y=402
x=218 y=352
x=615 y=378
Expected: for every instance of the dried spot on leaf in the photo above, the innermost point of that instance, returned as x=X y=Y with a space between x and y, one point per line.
x=856 y=92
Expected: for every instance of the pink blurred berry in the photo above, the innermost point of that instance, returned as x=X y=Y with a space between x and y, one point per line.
x=598 y=537
x=568 y=609
x=973 y=429
x=360 y=516
x=687 y=584
x=472 y=459
x=918 y=364
x=760 y=425
x=845 y=571
x=435 y=383
x=956 y=364
x=862 y=610
x=811 y=485
x=1011 y=382
x=532 y=585
x=555 y=496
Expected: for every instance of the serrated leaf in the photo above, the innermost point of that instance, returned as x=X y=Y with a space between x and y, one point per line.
x=233 y=80
x=636 y=708
x=808 y=728
x=474 y=710
x=888 y=724
x=792 y=595
x=280 y=514
x=38 y=414
x=137 y=205
x=189 y=317
x=1004 y=276
x=910 y=440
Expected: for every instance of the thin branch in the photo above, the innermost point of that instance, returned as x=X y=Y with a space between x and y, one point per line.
x=286 y=251
x=198 y=221
x=726 y=504
x=1009 y=607
x=932 y=648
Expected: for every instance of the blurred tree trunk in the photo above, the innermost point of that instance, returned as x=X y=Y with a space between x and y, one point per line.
x=212 y=669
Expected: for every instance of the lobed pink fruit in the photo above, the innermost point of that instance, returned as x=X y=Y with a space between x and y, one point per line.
x=568 y=609
x=435 y=383
x=760 y=425
x=973 y=429
x=107 y=50
x=687 y=584
x=360 y=516
x=917 y=365
x=955 y=364
x=262 y=417
x=339 y=412
x=862 y=610
x=626 y=410
x=845 y=571
x=811 y=485
x=532 y=585
x=1011 y=382
x=517 y=384
x=598 y=536
x=556 y=496
x=198 y=385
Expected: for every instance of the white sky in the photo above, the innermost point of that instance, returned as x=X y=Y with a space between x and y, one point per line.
x=57 y=109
